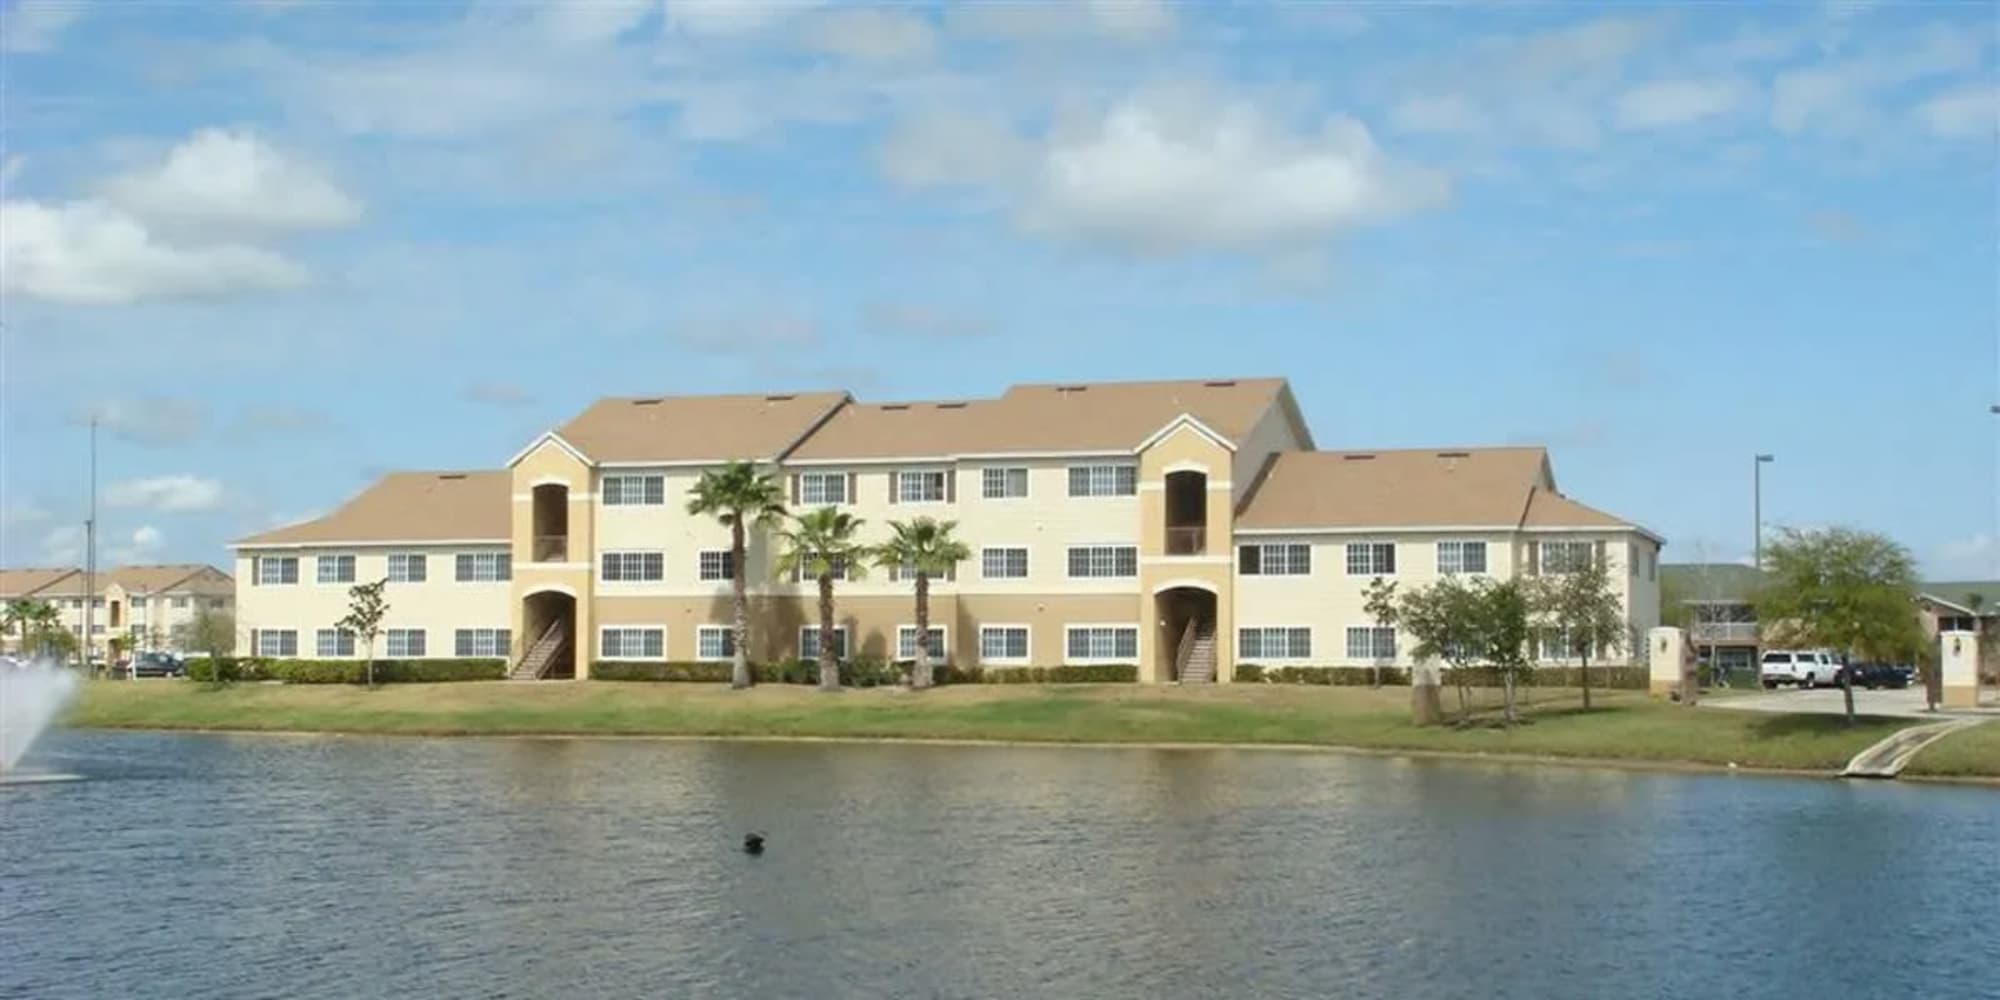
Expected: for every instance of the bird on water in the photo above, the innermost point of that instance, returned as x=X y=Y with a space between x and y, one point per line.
x=753 y=843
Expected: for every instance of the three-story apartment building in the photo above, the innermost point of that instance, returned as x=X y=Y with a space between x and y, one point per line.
x=151 y=607
x=1178 y=526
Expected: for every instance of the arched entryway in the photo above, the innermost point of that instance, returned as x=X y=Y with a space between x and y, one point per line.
x=1186 y=644
x=548 y=618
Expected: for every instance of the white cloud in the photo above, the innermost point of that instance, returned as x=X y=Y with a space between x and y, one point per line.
x=960 y=148
x=1964 y=113
x=62 y=545
x=748 y=336
x=872 y=34
x=1841 y=96
x=1055 y=20
x=171 y=494
x=594 y=22
x=1666 y=103
x=731 y=17
x=22 y=513
x=141 y=546
x=914 y=319
x=155 y=421
x=1976 y=557
x=1437 y=113
x=89 y=253
x=232 y=180
x=261 y=421
x=35 y=25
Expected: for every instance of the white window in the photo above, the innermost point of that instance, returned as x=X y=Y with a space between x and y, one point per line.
x=1103 y=561
x=1004 y=563
x=177 y=603
x=1287 y=559
x=1557 y=645
x=1371 y=642
x=1003 y=644
x=138 y=604
x=920 y=487
x=333 y=642
x=1280 y=643
x=335 y=569
x=633 y=567
x=271 y=571
x=482 y=642
x=906 y=644
x=1461 y=557
x=405 y=642
x=1085 y=643
x=837 y=569
x=484 y=567
x=823 y=488
x=1103 y=480
x=809 y=642
x=408 y=567
x=1371 y=559
x=1567 y=557
x=1652 y=564
x=277 y=642
x=718 y=564
x=1003 y=484
x=632 y=643
x=715 y=642
x=633 y=490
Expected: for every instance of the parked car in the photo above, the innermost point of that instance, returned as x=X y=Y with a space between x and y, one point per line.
x=1880 y=675
x=158 y=665
x=1806 y=668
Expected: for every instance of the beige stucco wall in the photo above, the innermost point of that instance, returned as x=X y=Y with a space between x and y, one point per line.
x=440 y=605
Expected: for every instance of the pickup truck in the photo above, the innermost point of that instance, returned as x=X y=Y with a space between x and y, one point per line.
x=1804 y=667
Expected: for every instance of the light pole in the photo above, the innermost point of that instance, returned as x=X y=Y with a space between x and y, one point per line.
x=1757 y=506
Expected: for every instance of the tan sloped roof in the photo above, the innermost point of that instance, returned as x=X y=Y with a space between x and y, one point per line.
x=697 y=428
x=190 y=578
x=1046 y=418
x=1428 y=487
x=411 y=507
x=1548 y=509
x=16 y=583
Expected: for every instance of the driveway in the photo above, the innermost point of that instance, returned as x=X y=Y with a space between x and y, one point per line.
x=1906 y=703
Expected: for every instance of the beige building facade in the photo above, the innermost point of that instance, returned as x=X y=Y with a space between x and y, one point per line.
x=149 y=607
x=1180 y=527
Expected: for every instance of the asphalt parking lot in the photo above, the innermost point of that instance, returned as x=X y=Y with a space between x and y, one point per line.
x=1906 y=703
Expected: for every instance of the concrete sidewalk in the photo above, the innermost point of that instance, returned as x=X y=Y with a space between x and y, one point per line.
x=1907 y=703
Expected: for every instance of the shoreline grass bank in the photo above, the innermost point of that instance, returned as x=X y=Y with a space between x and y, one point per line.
x=1623 y=728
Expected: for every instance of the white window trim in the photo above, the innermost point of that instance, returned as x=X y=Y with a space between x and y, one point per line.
x=1396 y=556
x=602 y=629
x=258 y=650
x=604 y=491
x=1027 y=483
x=726 y=577
x=701 y=630
x=944 y=495
x=662 y=553
x=354 y=577
x=1026 y=552
x=839 y=476
x=389 y=561
x=506 y=649
x=354 y=641
x=937 y=655
x=406 y=656
x=1006 y=661
x=495 y=556
x=1136 y=485
x=1138 y=644
x=1486 y=556
x=1395 y=645
x=1137 y=560
x=1312 y=559
x=257 y=574
x=846 y=641
x=1312 y=641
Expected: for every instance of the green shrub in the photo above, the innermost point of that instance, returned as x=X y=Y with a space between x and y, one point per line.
x=1325 y=676
x=855 y=673
x=1627 y=678
x=420 y=671
x=1102 y=673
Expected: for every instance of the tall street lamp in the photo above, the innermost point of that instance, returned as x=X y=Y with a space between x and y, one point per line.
x=1757 y=504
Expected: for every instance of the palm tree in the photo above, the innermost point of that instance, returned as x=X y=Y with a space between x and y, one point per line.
x=738 y=495
x=926 y=548
x=820 y=544
x=14 y=618
x=40 y=624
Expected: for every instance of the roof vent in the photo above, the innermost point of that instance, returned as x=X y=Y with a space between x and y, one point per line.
x=1220 y=383
x=1363 y=457
x=1454 y=454
x=780 y=399
x=895 y=406
x=1071 y=388
x=655 y=401
x=951 y=406
x=451 y=475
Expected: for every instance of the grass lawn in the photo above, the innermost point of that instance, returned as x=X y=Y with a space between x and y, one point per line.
x=1973 y=752
x=1624 y=726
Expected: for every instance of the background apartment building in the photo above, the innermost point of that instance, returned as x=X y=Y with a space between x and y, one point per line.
x=1178 y=526
x=150 y=606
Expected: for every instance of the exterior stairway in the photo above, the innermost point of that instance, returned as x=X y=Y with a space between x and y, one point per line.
x=536 y=661
x=1198 y=655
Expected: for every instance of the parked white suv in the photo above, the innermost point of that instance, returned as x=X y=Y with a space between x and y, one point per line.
x=1805 y=667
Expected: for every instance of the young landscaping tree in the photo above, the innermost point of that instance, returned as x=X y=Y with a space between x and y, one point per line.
x=741 y=497
x=1583 y=604
x=365 y=609
x=1381 y=606
x=1842 y=589
x=1444 y=619
x=213 y=631
x=926 y=548
x=820 y=545
x=1501 y=610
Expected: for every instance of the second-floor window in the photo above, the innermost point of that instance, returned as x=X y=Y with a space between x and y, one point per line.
x=177 y=603
x=408 y=567
x=484 y=567
x=335 y=569
x=1103 y=561
x=1003 y=484
x=717 y=564
x=635 y=490
x=634 y=567
x=271 y=571
x=926 y=486
x=138 y=604
x=1567 y=557
x=1288 y=559
x=803 y=573
x=1103 y=480
x=1371 y=559
x=1003 y=563
x=1461 y=557
x=820 y=489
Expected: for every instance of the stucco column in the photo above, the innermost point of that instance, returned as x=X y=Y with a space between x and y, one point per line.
x=1958 y=668
x=1665 y=648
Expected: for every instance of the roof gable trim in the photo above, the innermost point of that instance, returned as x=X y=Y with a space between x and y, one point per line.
x=1187 y=420
x=550 y=436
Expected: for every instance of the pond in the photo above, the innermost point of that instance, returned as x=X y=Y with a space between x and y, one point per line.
x=260 y=866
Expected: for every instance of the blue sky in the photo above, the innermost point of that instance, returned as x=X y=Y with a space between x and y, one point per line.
x=281 y=248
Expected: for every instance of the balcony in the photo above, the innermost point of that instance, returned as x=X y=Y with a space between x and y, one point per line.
x=551 y=548
x=1187 y=541
x=1745 y=632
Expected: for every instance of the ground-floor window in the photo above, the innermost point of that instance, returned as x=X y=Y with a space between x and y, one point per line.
x=1274 y=643
x=1371 y=642
x=906 y=644
x=809 y=642
x=715 y=642
x=482 y=642
x=1003 y=644
x=405 y=642
x=629 y=643
x=277 y=642
x=333 y=642
x=1556 y=645
x=1085 y=643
